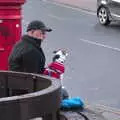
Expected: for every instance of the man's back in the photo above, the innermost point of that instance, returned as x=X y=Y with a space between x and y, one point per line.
x=27 y=56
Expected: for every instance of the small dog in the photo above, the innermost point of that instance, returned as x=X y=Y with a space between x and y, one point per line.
x=56 y=69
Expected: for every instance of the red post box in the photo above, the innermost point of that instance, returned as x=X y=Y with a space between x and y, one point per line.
x=10 y=28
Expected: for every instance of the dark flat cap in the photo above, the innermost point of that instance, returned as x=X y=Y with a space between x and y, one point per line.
x=38 y=25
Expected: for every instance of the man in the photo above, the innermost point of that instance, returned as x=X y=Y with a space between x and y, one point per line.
x=27 y=55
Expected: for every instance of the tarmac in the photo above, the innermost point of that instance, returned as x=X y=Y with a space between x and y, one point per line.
x=89 y=5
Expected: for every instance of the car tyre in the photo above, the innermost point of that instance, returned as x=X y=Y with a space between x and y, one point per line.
x=103 y=16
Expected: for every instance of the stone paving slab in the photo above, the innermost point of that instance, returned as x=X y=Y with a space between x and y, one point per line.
x=108 y=112
x=86 y=114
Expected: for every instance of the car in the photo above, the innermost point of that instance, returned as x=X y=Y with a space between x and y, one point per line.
x=107 y=11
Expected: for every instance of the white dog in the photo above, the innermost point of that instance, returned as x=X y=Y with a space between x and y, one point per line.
x=56 y=69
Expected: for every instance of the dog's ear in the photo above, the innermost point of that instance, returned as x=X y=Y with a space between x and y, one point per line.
x=54 y=51
x=65 y=52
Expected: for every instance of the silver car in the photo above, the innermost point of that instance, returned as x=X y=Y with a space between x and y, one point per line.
x=108 y=10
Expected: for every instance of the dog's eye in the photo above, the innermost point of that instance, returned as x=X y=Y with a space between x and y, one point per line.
x=56 y=57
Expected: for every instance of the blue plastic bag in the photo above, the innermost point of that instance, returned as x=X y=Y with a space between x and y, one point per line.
x=72 y=103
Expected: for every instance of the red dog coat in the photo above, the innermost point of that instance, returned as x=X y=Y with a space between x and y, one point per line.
x=55 y=70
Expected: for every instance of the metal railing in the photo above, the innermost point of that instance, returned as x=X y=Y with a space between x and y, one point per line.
x=24 y=96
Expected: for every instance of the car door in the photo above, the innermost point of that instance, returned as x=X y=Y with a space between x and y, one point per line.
x=115 y=8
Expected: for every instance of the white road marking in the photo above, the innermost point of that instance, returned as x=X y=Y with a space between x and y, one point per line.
x=73 y=8
x=101 y=45
x=56 y=17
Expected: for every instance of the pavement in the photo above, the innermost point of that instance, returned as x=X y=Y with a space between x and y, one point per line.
x=89 y=5
x=108 y=113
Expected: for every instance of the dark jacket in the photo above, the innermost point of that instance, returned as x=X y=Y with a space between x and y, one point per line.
x=27 y=56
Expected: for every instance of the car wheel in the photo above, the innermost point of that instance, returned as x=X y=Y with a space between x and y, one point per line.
x=103 y=16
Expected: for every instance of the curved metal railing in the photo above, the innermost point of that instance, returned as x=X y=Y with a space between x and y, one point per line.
x=24 y=96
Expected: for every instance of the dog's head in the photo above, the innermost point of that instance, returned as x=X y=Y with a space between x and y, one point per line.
x=60 y=55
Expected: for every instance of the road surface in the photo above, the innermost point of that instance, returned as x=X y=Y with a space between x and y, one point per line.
x=93 y=64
